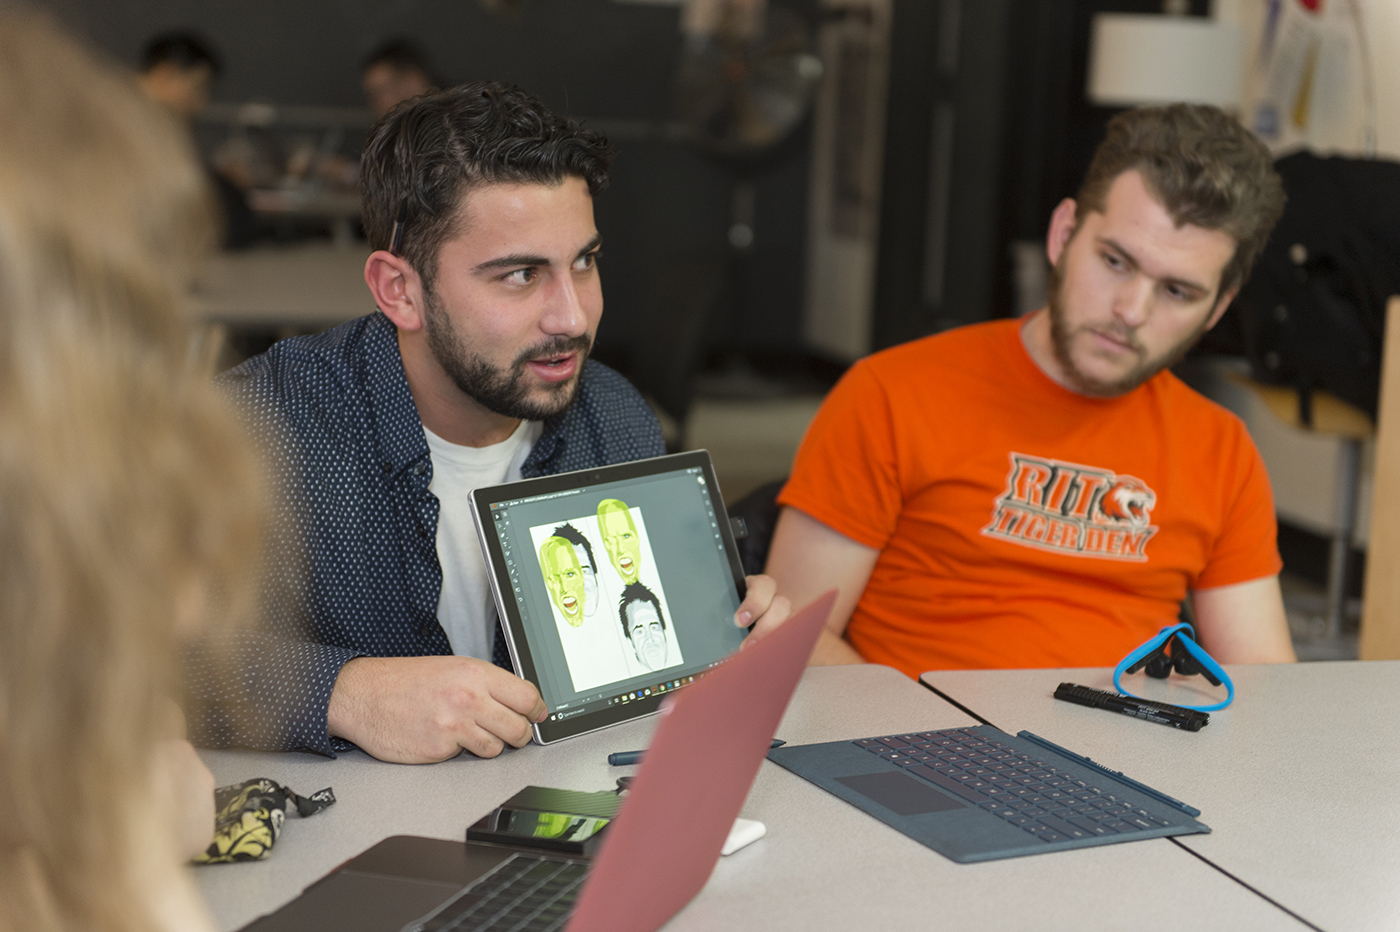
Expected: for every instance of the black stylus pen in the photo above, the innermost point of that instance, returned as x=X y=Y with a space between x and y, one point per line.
x=1175 y=716
x=628 y=758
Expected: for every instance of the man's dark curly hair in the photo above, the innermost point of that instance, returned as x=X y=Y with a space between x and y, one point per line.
x=430 y=151
x=636 y=592
x=575 y=537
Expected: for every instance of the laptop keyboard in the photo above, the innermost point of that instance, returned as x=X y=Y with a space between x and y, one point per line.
x=526 y=893
x=1019 y=788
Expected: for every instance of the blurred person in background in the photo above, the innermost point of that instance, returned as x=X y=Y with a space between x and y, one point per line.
x=396 y=71
x=128 y=500
x=178 y=69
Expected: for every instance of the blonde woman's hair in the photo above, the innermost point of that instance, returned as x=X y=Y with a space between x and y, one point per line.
x=129 y=504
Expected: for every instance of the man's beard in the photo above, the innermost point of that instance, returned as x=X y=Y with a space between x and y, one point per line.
x=504 y=391
x=1061 y=338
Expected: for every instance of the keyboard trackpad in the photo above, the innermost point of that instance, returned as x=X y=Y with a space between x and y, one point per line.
x=899 y=793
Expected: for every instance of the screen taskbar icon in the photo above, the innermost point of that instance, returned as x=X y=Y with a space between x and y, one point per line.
x=646 y=691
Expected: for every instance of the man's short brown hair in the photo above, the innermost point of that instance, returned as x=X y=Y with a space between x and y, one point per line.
x=1202 y=166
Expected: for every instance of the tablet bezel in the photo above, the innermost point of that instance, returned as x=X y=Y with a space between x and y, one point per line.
x=550 y=731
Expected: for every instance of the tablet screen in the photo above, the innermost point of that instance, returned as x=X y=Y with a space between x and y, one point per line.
x=618 y=585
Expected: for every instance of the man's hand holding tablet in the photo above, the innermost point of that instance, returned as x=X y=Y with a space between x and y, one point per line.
x=763 y=609
x=419 y=710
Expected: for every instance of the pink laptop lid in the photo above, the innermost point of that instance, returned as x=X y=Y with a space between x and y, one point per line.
x=706 y=752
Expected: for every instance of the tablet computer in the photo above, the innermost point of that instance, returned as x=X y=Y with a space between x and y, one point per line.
x=615 y=586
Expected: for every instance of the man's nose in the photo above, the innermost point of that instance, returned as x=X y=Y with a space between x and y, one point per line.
x=564 y=313
x=1133 y=303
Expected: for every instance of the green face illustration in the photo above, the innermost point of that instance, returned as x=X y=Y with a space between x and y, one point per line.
x=563 y=578
x=620 y=538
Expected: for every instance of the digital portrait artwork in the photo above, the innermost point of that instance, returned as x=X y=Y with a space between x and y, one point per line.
x=605 y=592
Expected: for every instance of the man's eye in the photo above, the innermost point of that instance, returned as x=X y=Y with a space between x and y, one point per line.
x=520 y=276
x=1112 y=261
x=585 y=262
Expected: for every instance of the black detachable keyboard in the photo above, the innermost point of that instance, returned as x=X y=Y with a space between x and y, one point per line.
x=525 y=893
x=1022 y=789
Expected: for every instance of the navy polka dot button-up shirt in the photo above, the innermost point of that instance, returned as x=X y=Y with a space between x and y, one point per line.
x=353 y=568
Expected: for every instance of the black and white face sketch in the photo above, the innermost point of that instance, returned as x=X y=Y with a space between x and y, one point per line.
x=644 y=625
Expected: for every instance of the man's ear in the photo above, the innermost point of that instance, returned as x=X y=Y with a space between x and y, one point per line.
x=397 y=289
x=1221 y=306
x=1062 y=223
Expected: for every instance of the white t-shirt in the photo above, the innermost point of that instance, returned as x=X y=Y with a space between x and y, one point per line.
x=466 y=610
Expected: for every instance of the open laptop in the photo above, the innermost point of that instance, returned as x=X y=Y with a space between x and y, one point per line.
x=654 y=857
x=614 y=585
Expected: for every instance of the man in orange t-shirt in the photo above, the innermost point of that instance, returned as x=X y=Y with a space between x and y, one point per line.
x=1043 y=492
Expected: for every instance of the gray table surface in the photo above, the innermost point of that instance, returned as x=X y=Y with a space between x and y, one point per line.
x=1297 y=778
x=823 y=864
x=306 y=285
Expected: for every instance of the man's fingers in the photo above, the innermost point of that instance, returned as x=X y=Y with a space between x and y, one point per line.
x=761 y=590
x=517 y=695
x=482 y=743
x=504 y=725
x=777 y=613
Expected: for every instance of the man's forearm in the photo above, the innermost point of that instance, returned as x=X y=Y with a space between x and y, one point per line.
x=261 y=691
x=1244 y=622
x=832 y=650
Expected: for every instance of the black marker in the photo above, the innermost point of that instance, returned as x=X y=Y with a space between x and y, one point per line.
x=1160 y=712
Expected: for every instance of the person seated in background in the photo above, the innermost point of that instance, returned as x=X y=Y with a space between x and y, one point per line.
x=129 y=504
x=398 y=70
x=178 y=69
x=1044 y=492
x=478 y=203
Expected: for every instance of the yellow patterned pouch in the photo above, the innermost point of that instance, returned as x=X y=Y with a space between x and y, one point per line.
x=249 y=816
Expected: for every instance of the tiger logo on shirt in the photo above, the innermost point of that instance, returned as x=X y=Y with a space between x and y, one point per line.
x=1074 y=509
x=1128 y=501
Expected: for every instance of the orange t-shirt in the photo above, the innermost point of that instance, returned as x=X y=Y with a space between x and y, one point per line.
x=1020 y=524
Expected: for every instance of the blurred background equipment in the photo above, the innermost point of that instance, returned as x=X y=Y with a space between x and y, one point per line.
x=746 y=75
x=1152 y=58
x=744 y=85
x=1312 y=80
x=294 y=162
x=848 y=144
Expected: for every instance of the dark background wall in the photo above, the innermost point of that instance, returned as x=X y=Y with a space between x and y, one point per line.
x=668 y=203
x=1022 y=136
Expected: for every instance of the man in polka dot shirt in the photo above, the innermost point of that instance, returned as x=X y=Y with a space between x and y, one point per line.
x=379 y=626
